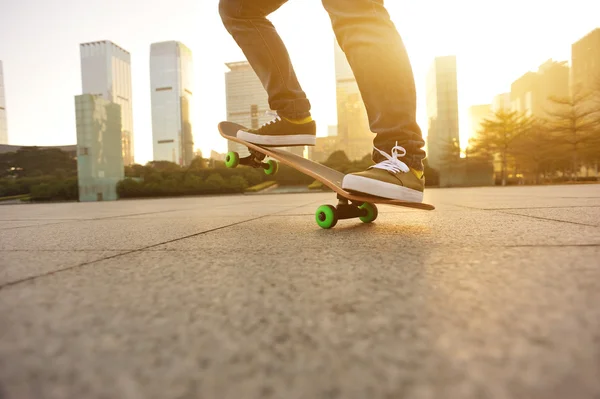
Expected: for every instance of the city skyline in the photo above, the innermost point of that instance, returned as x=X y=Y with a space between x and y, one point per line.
x=442 y=109
x=247 y=103
x=106 y=71
x=354 y=136
x=171 y=83
x=481 y=76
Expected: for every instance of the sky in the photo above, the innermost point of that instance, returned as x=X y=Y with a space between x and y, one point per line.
x=494 y=42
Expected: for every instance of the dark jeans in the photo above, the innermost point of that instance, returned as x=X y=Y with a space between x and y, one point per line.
x=374 y=51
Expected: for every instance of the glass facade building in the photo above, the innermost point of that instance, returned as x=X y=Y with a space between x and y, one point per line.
x=106 y=71
x=171 y=82
x=99 y=148
x=442 y=108
x=247 y=102
x=354 y=135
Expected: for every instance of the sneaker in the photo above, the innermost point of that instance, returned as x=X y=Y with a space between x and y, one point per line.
x=281 y=132
x=390 y=179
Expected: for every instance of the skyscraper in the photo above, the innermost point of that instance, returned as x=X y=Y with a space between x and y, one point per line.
x=99 y=152
x=501 y=102
x=442 y=109
x=106 y=71
x=3 y=125
x=171 y=82
x=531 y=93
x=354 y=135
x=585 y=62
x=247 y=102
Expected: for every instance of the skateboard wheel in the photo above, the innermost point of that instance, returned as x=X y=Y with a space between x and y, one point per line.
x=326 y=216
x=232 y=159
x=273 y=167
x=371 y=212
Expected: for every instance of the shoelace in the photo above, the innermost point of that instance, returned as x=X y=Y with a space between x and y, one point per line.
x=392 y=163
x=275 y=116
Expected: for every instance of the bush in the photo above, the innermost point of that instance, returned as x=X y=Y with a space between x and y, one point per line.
x=237 y=184
x=57 y=190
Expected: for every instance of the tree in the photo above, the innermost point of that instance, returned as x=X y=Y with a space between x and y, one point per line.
x=498 y=135
x=450 y=154
x=35 y=161
x=573 y=123
x=534 y=151
x=198 y=163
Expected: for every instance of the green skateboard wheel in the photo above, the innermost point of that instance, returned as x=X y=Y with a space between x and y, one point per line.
x=232 y=159
x=273 y=167
x=371 y=212
x=326 y=216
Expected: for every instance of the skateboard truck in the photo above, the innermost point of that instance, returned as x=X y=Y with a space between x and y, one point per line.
x=254 y=160
x=327 y=216
x=347 y=209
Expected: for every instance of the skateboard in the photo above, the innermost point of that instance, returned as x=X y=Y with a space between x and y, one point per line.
x=350 y=205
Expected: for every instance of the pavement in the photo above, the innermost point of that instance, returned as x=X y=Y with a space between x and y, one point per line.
x=495 y=294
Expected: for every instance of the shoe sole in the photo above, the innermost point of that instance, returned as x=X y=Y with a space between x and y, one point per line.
x=277 y=141
x=378 y=188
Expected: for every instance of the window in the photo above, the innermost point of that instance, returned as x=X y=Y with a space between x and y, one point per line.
x=164 y=88
x=165 y=141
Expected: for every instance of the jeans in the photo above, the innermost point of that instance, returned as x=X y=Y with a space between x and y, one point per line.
x=374 y=50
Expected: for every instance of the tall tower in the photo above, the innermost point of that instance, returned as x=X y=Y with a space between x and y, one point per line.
x=99 y=152
x=3 y=125
x=354 y=134
x=106 y=71
x=442 y=108
x=501 y=102
x=247 y=102
x=585 y=62
x=171 y=82
x=531 y=92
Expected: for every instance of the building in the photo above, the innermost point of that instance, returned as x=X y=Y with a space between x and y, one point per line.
x=585 y=62
x=106 y=71
x=171 y=82
x=501 y=102
x=442 y=109
x=324 y=146
x=354 y=135
x=99 y=151
x=531 y=94
x=477 y=114
x=247 y=103
x=3 y=122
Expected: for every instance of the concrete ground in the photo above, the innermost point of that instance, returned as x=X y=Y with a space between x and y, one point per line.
x=495 y=294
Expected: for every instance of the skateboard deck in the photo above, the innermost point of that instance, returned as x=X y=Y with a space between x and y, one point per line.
x=329 y=177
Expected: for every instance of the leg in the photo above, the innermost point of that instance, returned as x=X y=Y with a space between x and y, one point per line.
x=246 y=21
x=383 y=73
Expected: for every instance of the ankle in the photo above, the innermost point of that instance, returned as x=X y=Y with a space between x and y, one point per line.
x=418 y=173
x=299 y=121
